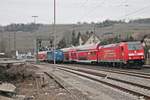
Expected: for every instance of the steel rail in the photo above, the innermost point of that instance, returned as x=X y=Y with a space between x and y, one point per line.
x=130 y=73
x=108 y=77
x=136 y=74
x=147 y=97
x=60 y=83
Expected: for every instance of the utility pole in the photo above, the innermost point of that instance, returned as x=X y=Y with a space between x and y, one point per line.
x=1 y=42
x=9 y=42
x=15 y=45
x=54 y=31
x=14 y=41
x=37 y=50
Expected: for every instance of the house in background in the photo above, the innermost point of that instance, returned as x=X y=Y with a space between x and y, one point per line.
x=147 y=40
x=146 y=44
x=90 y=38
x=83 y=38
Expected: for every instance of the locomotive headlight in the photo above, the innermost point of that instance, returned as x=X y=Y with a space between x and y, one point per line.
x=142 y=57
x=130 y=57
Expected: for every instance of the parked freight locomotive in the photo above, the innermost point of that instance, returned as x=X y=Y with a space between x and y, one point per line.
x=119 y=54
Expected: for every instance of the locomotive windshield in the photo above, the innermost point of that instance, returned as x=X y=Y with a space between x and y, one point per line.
x=134 y=46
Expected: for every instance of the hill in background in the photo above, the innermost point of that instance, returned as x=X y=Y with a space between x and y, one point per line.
x=27 y=33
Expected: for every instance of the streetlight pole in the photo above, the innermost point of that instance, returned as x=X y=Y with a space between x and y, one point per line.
x=34 y=17
x=54 y=31
x=36 y=40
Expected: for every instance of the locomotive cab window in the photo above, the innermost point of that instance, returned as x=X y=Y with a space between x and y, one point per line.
x=134 y=46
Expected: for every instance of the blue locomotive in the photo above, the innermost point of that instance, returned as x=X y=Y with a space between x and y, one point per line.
x=59 y=56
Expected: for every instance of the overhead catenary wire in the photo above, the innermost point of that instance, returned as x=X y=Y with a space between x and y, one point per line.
x=134 y=12
x=90 y=13
x=84 y=4
x=125 y=4
x=87 y=14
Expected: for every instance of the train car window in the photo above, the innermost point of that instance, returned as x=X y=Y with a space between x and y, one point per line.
x=93 y=53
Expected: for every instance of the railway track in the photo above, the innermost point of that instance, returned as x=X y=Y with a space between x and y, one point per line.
x=130 y=73
x=60 y=84
x=114 y=70
x=108 y=77
x=73 y=92
x=123 y=85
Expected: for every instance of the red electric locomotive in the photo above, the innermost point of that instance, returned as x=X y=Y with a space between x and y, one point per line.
x=119 y=54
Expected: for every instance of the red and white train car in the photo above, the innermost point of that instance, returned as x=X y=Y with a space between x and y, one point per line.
x=42 y=56
x=70 y=54
x=87 y=53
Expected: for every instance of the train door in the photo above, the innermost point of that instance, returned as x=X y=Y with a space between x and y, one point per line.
x=92 y=55
x=122 y=53
x=73 y=56
x=66 y=56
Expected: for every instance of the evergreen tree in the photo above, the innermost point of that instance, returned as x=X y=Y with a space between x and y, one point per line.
x=131 y=38
x=62 y=44
x=88 y=33
x=104 y=42
x=116 y=40
x=78 y=37
x=73 y=42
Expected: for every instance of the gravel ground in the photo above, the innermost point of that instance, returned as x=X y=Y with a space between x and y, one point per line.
x=50 y=90
x=32 y=84
x=97 y=67
x=143 y=91
x=94 y=90
x=5 y=98
x=145 y=70
x=138 y=80
x=127 y=86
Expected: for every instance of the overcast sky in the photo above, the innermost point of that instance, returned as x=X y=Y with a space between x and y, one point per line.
x=72 y=11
